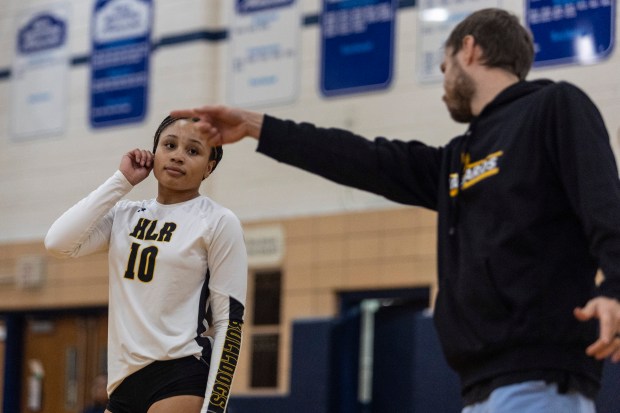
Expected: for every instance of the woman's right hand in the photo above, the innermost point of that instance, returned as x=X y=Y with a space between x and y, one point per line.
x=136 y=165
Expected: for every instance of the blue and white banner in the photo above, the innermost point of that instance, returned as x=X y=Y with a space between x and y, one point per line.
x=121 y=49
x=571 y=31
x=264 y=52
x=357 y=45
x=436 y=19
x=40 y=72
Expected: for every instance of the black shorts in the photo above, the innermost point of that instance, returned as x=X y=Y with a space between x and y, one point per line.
x=157 y=381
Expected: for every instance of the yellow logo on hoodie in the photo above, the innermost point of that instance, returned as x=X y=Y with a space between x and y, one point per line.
x=475 y=172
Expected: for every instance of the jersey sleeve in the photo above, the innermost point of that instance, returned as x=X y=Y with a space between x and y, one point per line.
x=228 y=268
x=85 y=227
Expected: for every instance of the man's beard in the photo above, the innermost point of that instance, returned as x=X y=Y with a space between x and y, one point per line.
x=458 y=98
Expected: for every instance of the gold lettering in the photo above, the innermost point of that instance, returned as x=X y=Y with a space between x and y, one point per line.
x=166 y=232
x=224 y=379
x=151 y=235
x=138 y=231
x=228 y=363
x=145 y=229
x=218 y=400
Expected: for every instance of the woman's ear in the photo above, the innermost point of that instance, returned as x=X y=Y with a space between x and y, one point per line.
x=210 y=167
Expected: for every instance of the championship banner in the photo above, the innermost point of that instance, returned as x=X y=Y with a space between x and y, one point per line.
x=357 y=45
x=571 y=31
x=119 y=66
x=40 y=71
x=436 y=19
x=264 y=52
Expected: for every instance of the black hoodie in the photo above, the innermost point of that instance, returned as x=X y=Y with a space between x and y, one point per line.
x=528 y=203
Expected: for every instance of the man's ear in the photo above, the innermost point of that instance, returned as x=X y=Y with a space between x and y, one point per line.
x=471 y=50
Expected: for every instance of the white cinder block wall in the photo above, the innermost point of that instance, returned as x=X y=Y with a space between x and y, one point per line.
x=40 y=178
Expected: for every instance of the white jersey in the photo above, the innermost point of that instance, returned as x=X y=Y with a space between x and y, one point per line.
x=169 y=266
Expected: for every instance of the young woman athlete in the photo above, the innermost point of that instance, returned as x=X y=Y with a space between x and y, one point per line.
x=178 y=267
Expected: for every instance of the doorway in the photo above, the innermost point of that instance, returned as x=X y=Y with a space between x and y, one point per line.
x=60 y=354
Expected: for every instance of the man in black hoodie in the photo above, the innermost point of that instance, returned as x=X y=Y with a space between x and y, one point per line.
x=528 y=203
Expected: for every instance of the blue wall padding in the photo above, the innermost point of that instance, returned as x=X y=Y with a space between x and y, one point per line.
x=344 y=363
x=394 y=356
x=311 y=366
x=258 y=404
x=608 y=400
x=310 y=374
x=436 y=387
x=13 y=360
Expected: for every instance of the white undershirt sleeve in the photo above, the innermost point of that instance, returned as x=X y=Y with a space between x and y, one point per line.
x=85 y=227
x=228 y=269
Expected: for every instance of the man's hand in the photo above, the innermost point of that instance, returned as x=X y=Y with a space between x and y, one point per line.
x=222 y=125
x=607 y=310
x=136 y=165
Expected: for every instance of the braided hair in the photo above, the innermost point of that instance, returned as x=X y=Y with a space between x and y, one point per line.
x=216 y=151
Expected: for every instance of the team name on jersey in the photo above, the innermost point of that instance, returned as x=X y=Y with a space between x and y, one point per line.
x=145 y=229
x=226 y=370
x=475 y=172
x=142 y=259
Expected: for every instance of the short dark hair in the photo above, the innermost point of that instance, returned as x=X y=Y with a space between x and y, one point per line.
x=505 y=43
x=216 y=151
